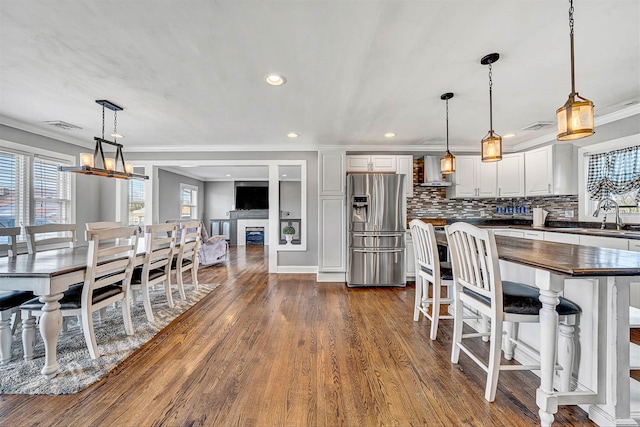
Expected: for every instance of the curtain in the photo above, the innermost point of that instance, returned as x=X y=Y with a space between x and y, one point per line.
x=615 y=172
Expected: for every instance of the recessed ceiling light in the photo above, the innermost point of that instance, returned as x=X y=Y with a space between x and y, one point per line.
x=389 y=135
x=284 y=174
x=228 y=174
x=292 y=135
x=509 y=135
x=275 y=79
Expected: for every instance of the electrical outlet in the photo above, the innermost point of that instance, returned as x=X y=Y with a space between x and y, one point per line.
x=568 y=214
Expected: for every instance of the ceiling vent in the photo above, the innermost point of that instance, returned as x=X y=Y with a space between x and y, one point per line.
x=62 y=125
x=538 y=125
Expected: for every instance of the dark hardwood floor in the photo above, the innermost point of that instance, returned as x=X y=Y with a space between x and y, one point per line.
x=276 y=350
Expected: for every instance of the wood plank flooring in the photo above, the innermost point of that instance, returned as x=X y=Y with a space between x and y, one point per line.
x=281 y=350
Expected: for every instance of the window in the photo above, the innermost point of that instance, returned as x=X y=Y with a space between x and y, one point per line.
x=32 y=190
x=188 y=202
x=616 y=175
x=136 y=202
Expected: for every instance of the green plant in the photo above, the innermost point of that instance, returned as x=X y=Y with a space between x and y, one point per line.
x=289 y=230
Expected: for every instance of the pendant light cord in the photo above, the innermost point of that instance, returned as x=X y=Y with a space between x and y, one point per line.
x=490 y=100
x=447 y=125
x=573 y=74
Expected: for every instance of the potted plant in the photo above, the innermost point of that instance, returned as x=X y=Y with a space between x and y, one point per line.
x=288 y=232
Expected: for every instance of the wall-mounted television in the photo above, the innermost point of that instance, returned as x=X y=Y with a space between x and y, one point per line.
x=252 y=195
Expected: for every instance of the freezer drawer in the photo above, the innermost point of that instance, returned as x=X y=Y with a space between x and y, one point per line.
x=376 y=267
x=377 y=240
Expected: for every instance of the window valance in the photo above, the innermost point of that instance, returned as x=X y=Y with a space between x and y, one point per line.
x=615 y=172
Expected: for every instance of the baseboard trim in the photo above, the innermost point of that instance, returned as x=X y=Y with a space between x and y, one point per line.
x=294 y=269
x=324 y=276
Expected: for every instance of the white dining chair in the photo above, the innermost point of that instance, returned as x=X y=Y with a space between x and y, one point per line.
x=100 y=225
x=430 y=273
x=50 y=236
x=187 y=254
x=10 y=300
x=107 y=280
x=159 y=242
x=478 y=285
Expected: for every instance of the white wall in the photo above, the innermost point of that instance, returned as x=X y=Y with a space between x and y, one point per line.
x=290 y=197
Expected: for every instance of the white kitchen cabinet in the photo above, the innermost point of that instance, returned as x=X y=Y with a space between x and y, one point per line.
x=551 y=236
x=405 y=167
x=511 y=175
x=533 y=235
x=634 y=245
x=332 y=232
x=371 y=163
x=604 y=242
x=410 y=258
x=550 y=171
x=331 y=181
x=473 y=178
x=508 y=233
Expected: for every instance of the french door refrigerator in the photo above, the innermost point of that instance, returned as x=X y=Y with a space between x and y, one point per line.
x=376 y=230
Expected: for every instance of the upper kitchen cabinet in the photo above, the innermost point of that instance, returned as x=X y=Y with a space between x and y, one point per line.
x=371 y=163
x=473 y=178
x=332 y=171
x=511 y=175
x=550 y=171
x=405 y=167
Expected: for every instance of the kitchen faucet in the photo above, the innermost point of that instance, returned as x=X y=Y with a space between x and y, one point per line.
x=608 y=200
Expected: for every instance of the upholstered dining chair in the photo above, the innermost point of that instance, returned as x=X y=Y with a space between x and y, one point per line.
x=42 y=237
x=187 y=254
x=429 y=271
x=479 y=286
x=10 y=301
x=99 y=225
x=160 y=240
x=107 y=280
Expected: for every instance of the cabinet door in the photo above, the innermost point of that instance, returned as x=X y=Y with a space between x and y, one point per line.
x=487 y=179
x=552 y=236
x=511 y=176
x=464 y=178
x=358 y=163
x=405 y=167
x=634 y=245
x=332 y=230
x=533 y=235
x=604 y=242
x=538 y=171
x=332 y=170
x=410 y=258
x=383 y=163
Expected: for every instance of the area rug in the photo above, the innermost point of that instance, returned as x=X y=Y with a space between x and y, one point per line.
x=77 y=369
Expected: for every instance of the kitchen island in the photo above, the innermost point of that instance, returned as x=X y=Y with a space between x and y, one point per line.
x=605 y=394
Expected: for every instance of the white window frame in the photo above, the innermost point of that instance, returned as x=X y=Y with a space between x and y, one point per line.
x=129 y=200
x=194 y=197
x=25 y=182
x=586 y=206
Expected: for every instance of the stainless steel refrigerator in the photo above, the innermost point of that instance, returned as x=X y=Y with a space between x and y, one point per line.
x=376 y=230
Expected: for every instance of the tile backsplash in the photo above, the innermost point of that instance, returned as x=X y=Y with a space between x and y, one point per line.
x=432 y=202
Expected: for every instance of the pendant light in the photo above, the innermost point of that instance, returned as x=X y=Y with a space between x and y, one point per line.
x=575 y=117
x=99 y=165
x=448 y=161
x=492 y=142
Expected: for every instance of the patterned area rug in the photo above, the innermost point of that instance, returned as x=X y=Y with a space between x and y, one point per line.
x=77 y=369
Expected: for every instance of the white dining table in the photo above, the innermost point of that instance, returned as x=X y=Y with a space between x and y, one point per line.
x=48 y=274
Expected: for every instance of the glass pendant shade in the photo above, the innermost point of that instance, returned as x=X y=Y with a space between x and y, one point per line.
x=447 y=163
x=575 y=119
x=492 y=147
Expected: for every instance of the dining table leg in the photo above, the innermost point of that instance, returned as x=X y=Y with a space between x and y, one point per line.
x=50 y=327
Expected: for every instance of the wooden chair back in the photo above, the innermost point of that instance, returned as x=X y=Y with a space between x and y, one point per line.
x=11 y=246
x=50 y=236
x=474 y=260
x=112 y=262
x=426 y=249
x=189 y=241
x=99 y=225
x=160 y=241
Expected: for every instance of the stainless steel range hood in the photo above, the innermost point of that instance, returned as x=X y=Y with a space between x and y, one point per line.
x=432 y=175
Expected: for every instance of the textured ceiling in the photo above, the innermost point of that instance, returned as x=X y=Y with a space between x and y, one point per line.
x=189 y=74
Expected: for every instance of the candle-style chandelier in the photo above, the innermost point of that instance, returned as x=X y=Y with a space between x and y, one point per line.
x=97 y=163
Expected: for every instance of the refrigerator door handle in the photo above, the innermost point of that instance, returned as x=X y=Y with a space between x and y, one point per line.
x=369 y=234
